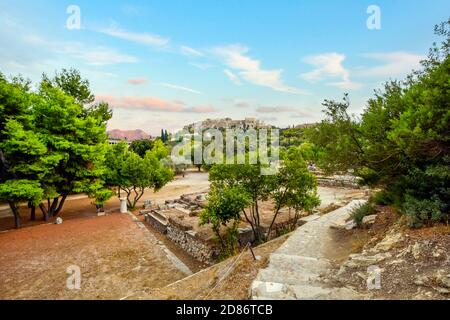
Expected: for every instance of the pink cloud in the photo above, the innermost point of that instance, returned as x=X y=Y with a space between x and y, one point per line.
x=137 y=81
x=152 y=104
x=144 y=103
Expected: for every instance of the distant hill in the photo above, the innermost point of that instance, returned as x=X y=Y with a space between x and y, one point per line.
x=129 y=135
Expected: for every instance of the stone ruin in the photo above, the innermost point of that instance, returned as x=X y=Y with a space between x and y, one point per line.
x=178 y=220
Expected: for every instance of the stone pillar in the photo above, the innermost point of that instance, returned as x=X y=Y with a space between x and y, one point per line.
x=123 y=205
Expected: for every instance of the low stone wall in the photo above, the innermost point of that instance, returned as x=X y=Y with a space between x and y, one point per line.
x=339 y=182
x=157 y=221
x=193 y=245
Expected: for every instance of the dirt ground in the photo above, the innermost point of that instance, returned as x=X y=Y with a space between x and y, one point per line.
x=114 y=256
x=239 y=274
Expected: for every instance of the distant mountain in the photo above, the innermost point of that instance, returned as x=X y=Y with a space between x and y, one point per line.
x=129 y=135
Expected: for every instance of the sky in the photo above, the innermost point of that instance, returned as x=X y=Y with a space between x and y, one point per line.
x=165 y=64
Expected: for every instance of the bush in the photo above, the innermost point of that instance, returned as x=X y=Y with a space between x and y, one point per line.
x=421 y=212
x=361 y=211
x=382 y=198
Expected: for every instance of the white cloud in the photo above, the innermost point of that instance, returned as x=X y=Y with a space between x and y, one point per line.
x=174 y=86
x=233 y=78
x=329 y=66
x=393 y=64
x=188 y=51
x=147 y=39
x=96 y=56
x=250 y=69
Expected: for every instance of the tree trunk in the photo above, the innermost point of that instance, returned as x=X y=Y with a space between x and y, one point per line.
x=33 y=213
x=15 y=211
x=44 y=212
x=52 y=209
x=60 y=206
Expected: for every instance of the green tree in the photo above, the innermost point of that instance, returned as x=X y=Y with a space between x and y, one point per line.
x=133 y=174
x=225 y=206
x=296 y=187
x=16 y=191
x=248 y=177
x=402 y=141
x=141 y=146
x=77 y=136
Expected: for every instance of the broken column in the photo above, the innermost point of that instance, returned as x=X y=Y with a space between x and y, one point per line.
x=123 y=205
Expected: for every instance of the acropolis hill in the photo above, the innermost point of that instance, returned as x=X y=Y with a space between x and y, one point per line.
x=228 y=123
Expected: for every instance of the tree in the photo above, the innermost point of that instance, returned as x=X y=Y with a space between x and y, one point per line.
x=296 y=187
x=141 y=146
x=77 y=137
x=16 y=191
x=402 y=141
x=248 y=177
x=225 y=206
x=25 y=159
x=134 y=174
x=159 y=150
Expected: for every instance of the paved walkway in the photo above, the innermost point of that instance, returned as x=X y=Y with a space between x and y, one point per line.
x=295 y=270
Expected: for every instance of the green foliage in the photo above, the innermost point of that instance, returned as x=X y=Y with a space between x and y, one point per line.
x=133 y=174
x=383 y=198
x=361 y=211
x=21 y=190
x=50 y=139
x=293 y=186
x=225 y=206
x=159 y=150
x=402 y=141
x=423 y=211
x=141 y=146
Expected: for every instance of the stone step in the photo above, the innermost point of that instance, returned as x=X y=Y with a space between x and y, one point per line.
x=286 y=277
x=312 y=292
x=262 y=290
x=299 y=263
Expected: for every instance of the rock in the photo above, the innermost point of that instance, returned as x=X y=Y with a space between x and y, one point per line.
x=422 y=295
x=443 y=279
x=438 y=252
x=369 y=220
x=389 y=242
x=416 y=250
x=442 y=290
x=395 y=262
x=421 y=280
x=344 y=225
x=361 y=260
x=59 y=221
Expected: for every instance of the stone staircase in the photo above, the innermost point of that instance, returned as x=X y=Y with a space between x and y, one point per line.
x=295 y=270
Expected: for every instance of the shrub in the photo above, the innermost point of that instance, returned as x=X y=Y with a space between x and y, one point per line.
x=421 y=212
x=359 y=212
x=382 y=198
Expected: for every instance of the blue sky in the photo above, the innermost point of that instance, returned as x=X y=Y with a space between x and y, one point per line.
x=170 y=63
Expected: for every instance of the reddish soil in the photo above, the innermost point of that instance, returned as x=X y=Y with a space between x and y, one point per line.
x=115 y=256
